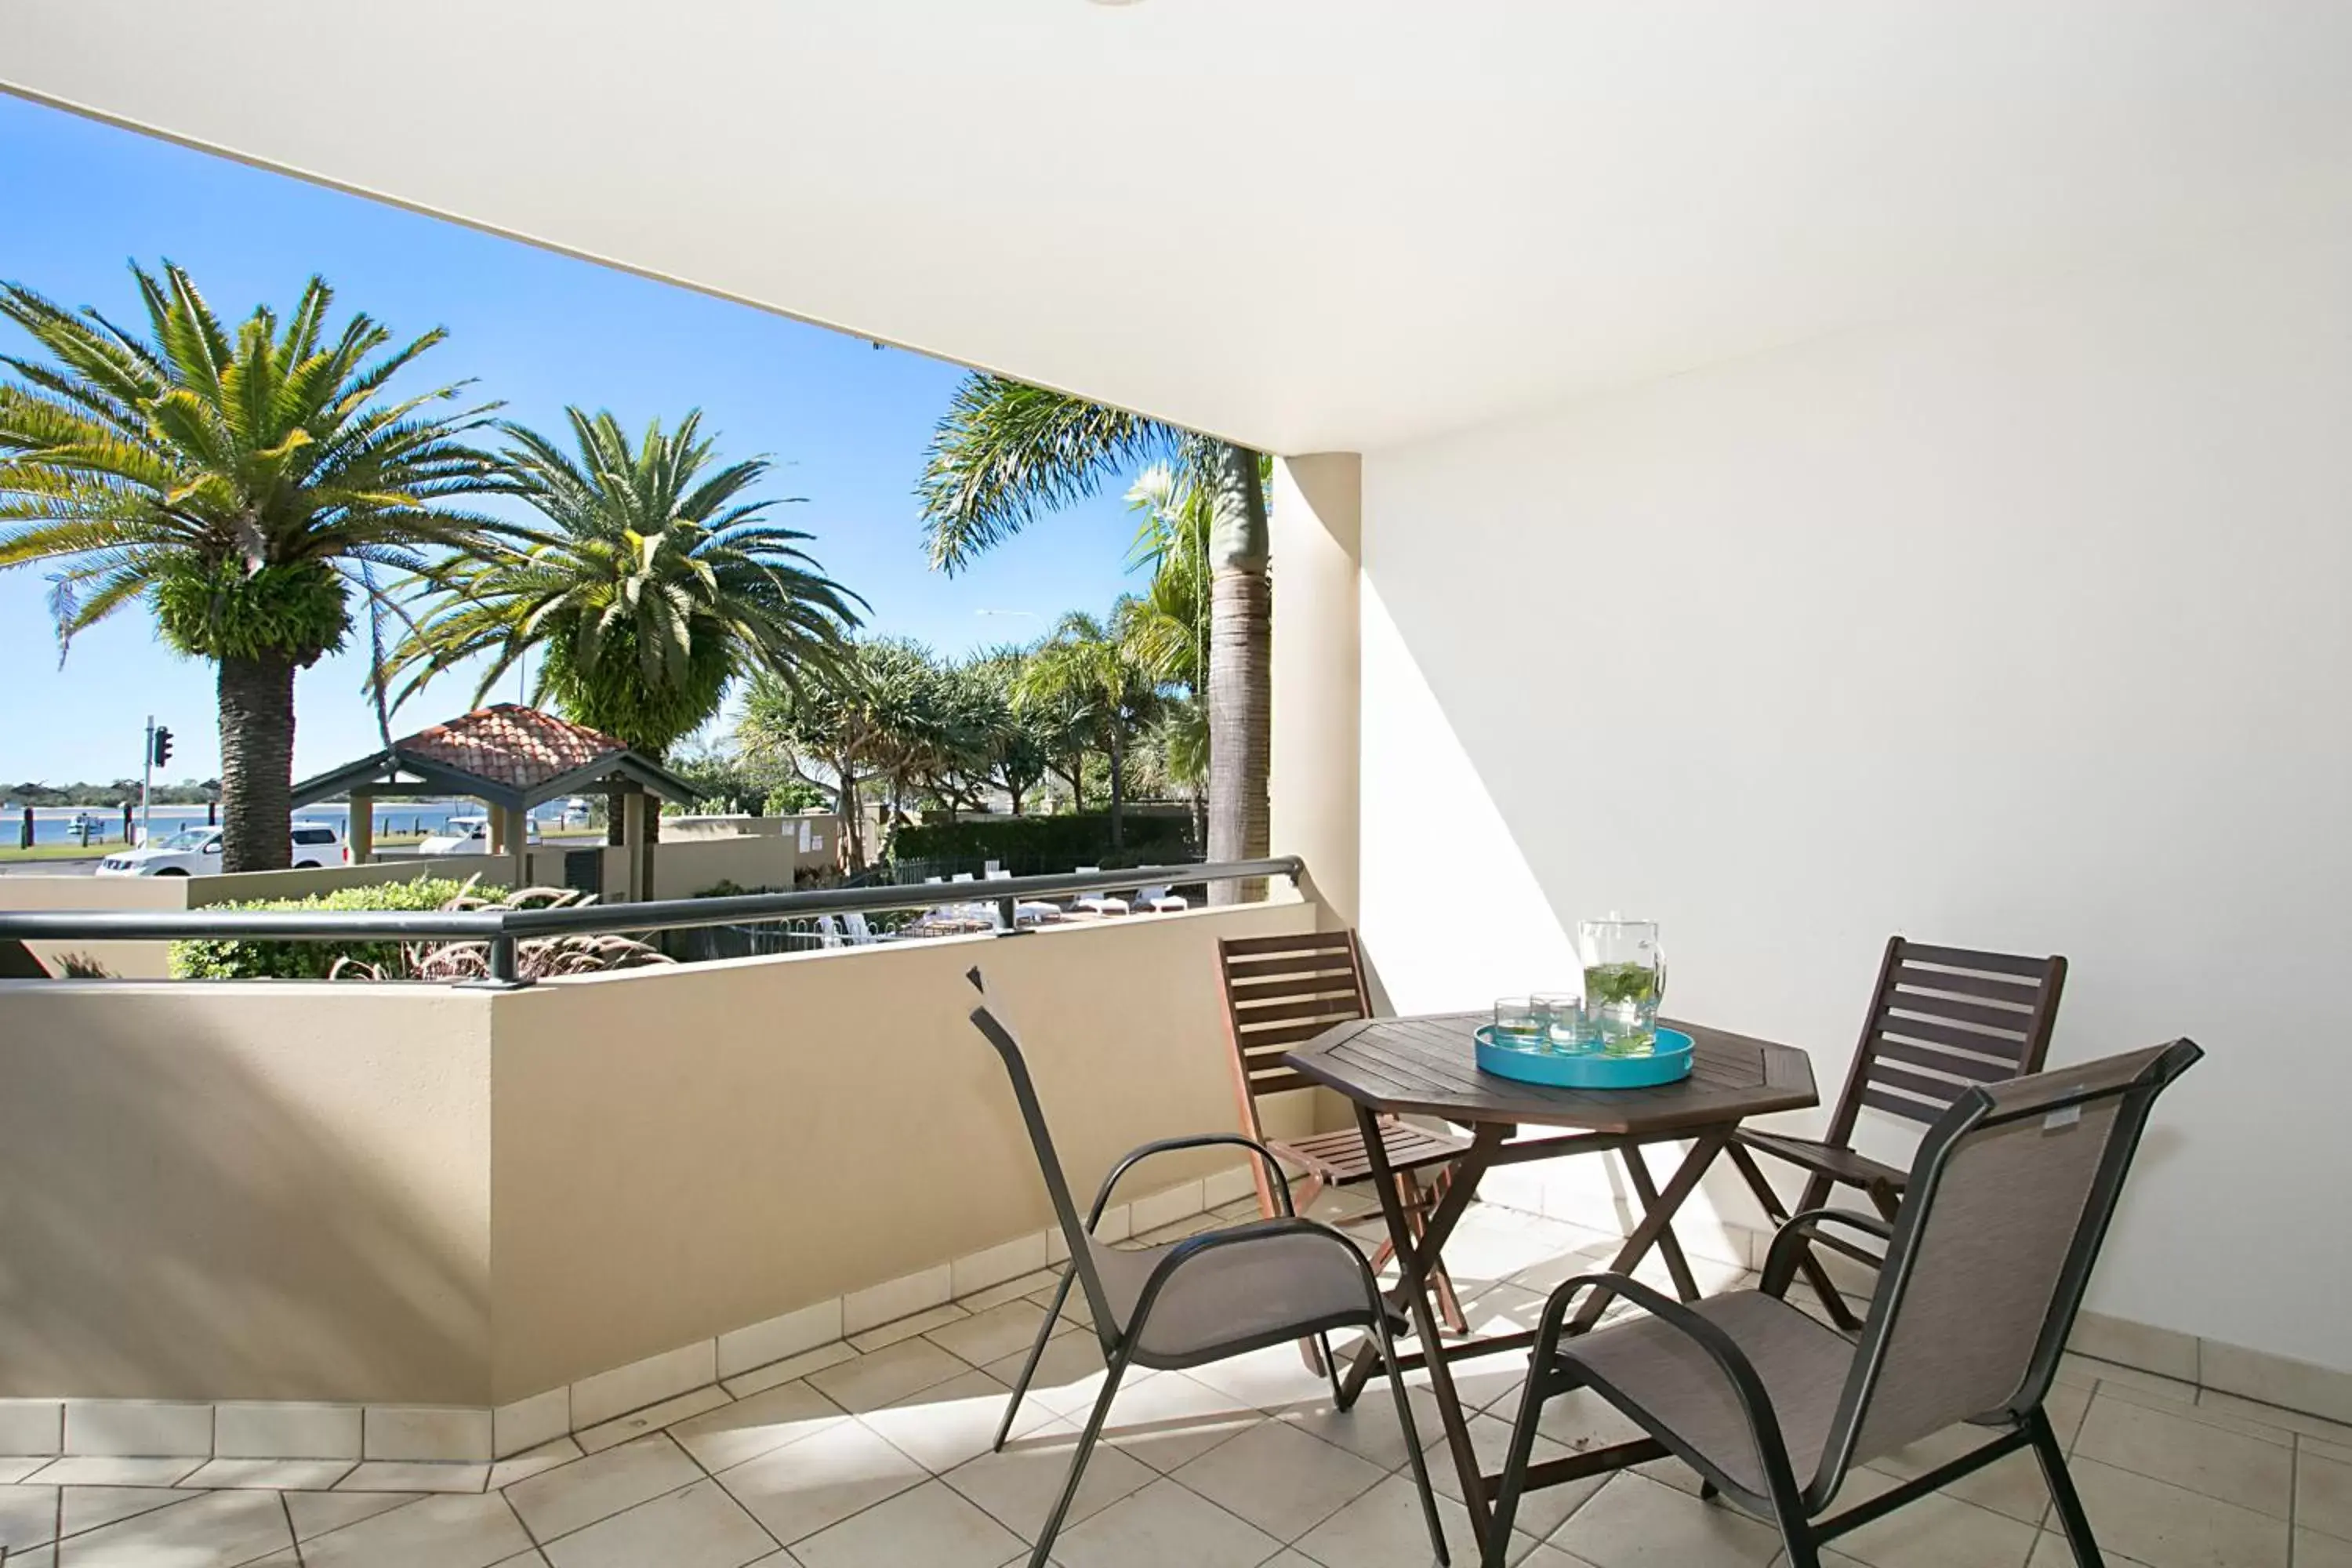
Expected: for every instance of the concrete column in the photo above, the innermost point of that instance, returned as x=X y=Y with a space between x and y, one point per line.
x=358 y=837
x=1314 y=781
x=498 y=826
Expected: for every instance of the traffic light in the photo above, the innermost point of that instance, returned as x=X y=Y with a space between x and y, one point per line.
x=163 y=745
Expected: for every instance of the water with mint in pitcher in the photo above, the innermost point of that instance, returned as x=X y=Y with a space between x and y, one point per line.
x=1622 y=999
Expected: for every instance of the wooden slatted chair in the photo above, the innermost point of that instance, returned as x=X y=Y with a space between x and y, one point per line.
x=1943 y=1020
x=1279 y=992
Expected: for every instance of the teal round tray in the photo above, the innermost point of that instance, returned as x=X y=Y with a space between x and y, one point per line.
x=1670 y=1062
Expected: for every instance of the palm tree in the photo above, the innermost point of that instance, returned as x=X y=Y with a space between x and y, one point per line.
x=650 y=587
x=239 y=486
x=1084 y=675
x=1005 y=452
x=1167 y=627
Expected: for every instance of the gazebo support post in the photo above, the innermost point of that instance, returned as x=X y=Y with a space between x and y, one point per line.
x=518 y=843
x=650 y=804
x=630 y=802
x=359 y=831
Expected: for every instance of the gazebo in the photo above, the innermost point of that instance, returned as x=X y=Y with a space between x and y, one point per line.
x=510 y=758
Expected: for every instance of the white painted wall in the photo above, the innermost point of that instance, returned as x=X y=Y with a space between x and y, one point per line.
x=2024 y=626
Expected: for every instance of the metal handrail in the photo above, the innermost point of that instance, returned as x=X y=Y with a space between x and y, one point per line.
x=501 y=929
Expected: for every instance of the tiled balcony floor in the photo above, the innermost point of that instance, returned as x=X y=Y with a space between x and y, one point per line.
x=877 y=1453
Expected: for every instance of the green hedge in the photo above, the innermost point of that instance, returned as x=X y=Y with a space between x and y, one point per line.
x=240 y=960
x=1030 y=846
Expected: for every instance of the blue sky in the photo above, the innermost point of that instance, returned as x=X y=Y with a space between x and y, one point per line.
x=846 y=422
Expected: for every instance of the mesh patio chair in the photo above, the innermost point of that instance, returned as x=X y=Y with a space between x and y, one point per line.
x=2010 y=1194
x=1941 y=1019
x=1212 y=1295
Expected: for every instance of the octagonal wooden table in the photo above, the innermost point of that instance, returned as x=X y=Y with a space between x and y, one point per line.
x=1426 y=1067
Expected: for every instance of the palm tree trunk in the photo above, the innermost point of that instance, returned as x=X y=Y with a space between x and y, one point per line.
x=852 y=814
x=1117 y=794
x=620 y=803
x=1241 y=677
x=256 y=749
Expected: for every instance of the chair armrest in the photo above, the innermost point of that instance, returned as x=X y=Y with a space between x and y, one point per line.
x=1747 y=1386
x=1780 y=1262
x=1135 y=1157
x=1832 y=1160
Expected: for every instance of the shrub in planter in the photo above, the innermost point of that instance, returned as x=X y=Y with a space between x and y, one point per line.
x=240 y=959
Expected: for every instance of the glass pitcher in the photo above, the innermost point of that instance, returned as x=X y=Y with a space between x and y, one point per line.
x=1624 y=974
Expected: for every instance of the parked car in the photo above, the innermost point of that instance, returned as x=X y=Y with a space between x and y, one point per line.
x=196 y=851
x=466 y=836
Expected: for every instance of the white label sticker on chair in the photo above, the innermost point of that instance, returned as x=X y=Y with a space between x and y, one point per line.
x=2065 y=1117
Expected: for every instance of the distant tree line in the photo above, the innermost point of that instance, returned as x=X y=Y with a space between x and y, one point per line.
x=187 y=792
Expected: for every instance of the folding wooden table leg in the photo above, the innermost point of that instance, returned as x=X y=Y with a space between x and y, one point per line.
x=1439 y=1225
x=1657 y=1220
x=1414 y=1258
x=1637 y=1169
x=1418 y=1200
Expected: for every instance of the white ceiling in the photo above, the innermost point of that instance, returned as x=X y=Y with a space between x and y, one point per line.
x=1305 y=224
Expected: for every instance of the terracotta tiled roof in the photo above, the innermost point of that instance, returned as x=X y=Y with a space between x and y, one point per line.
x=520 y=748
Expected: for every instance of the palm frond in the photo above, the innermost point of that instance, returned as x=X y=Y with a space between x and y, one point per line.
x=1006 y=452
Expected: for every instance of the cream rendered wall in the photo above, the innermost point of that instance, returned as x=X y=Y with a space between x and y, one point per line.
x=683 y=868
x=243 y=886
x=681 y=1153
x=2022 y=626
x=1314 y=791
x=441 y=1194
x=764 y=859
x=63 y=895
x=824 y=825
x=245 y=1191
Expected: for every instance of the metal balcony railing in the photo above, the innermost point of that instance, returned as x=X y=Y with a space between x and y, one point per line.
x=501 y=930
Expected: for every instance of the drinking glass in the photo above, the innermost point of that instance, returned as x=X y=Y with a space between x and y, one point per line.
x=1518 y=1023
x=1565 y=1025
x=1624 y=974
